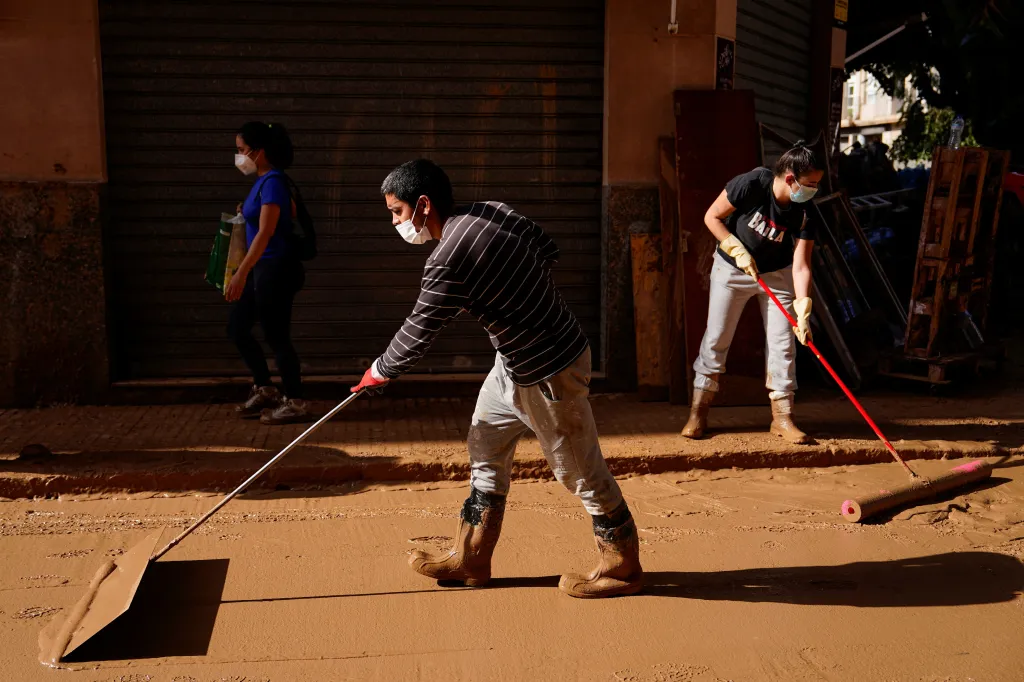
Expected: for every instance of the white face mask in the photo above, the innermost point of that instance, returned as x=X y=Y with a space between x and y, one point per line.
x=409 y=233
x=801 y=194
x=245 y=164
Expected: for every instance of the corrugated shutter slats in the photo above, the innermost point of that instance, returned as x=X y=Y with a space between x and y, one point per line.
x=507 y=97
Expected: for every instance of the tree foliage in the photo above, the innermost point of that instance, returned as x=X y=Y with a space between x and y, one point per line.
x=924 y=130
x=964 y=58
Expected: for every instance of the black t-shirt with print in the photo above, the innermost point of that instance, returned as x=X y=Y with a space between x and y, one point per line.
x=769 y=231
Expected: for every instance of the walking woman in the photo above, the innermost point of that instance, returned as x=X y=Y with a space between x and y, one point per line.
x=763 y=230
x=266 y=282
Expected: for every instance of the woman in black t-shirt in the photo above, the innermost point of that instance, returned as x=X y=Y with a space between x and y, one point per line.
x=763 y=231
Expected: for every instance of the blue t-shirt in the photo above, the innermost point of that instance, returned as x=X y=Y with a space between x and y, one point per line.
x=269 y=189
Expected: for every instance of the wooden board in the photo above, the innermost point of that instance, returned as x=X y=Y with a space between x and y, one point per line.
x=672 y=242
x=716 y=140
x=650 y=315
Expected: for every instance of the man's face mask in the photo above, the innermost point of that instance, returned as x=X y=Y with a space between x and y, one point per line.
x=801 y=194
x=409 y=232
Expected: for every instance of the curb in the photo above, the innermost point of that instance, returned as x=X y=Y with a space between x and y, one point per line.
x=49 y=480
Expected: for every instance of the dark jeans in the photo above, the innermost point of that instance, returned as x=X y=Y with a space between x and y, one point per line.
x=268 y=296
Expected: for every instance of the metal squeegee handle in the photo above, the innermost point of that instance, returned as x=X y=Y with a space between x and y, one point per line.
x=249 y=481
x=828 y=367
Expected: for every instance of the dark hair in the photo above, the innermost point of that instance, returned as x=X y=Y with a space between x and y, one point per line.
x=414 y=179
x=273 y=139
x=800 y=160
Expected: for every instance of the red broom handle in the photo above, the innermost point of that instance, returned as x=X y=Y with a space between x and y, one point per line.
x=824 y=363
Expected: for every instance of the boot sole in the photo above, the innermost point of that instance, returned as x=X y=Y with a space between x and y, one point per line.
x=623 y=591
x=806 y=440
x=454 y=582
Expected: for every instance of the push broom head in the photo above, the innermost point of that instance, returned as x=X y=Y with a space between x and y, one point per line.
x=860 y=509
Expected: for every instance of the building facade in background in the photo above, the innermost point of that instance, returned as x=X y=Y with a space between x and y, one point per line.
x=869 y=114
x=120 y=161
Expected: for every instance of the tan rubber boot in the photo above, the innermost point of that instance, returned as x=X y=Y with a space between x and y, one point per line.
x=469 y=560
x=618 y=570
x=782 y=423
x=699 y=408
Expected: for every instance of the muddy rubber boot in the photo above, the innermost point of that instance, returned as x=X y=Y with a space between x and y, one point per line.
x=782 y=423
x=290 y=411
x=618 y=571
x=699 y=408
x=469 y=560
x=260 y=398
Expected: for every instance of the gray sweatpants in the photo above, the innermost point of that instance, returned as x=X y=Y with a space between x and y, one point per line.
x=558 y=411
x=731 y=288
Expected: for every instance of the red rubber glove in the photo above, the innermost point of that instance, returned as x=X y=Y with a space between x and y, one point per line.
x=370 y=384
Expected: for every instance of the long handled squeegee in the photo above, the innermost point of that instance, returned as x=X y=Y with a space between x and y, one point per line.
x=114 y=585
x=918 y=488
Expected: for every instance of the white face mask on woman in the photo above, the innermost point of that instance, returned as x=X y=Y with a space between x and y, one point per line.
x=409 y=232
x=245 y=164
x=801 y=194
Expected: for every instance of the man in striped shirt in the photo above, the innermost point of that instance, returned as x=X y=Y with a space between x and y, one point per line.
x=495 y=264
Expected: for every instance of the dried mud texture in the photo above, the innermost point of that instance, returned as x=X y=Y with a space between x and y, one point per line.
x=751 y=576
x=32 y=612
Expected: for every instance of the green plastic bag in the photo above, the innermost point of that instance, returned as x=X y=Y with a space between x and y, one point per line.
x=217 y=263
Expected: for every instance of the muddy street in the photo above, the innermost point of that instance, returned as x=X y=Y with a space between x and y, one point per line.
x=751 y=575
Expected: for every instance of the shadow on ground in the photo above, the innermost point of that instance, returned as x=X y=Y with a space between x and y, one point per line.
x=308 y=466
x=1002 y=435
x=172 y=614
x=952 y=579
x=1006 y=436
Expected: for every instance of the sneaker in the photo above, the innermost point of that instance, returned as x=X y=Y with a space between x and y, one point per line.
x=290 y=411
x=260 y=398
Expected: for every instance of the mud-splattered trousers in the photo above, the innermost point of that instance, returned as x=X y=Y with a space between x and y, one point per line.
x=731 y=288
x=557 y=410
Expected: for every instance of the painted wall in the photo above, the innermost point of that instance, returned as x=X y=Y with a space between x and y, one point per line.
x=644 y=65
x=53 y=343
x=51 y=114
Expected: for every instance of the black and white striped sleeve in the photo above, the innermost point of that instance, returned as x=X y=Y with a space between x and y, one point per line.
x=546 y=247
x=442 y=298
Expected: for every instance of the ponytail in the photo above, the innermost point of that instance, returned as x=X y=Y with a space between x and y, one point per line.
x=800 y=160
x=273 y=139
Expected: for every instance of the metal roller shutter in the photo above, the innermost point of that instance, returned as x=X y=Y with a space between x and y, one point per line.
x=773 y=56
x=507 y=97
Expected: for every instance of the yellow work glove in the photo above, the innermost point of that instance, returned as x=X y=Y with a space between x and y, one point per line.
x=802 y=306
x=734 y=248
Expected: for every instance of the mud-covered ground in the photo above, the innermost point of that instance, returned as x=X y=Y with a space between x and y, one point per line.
x=62 y=450
x=752 y=575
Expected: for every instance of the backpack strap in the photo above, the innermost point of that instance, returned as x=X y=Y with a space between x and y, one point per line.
x=263 y=181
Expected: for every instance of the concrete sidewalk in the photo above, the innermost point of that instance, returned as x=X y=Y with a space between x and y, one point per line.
x=190 y=447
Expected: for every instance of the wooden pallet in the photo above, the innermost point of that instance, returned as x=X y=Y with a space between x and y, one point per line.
x=955 y=253
x=941 y=371
x=936 y=371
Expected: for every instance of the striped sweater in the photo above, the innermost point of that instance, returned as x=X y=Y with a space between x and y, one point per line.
x=496 y=265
